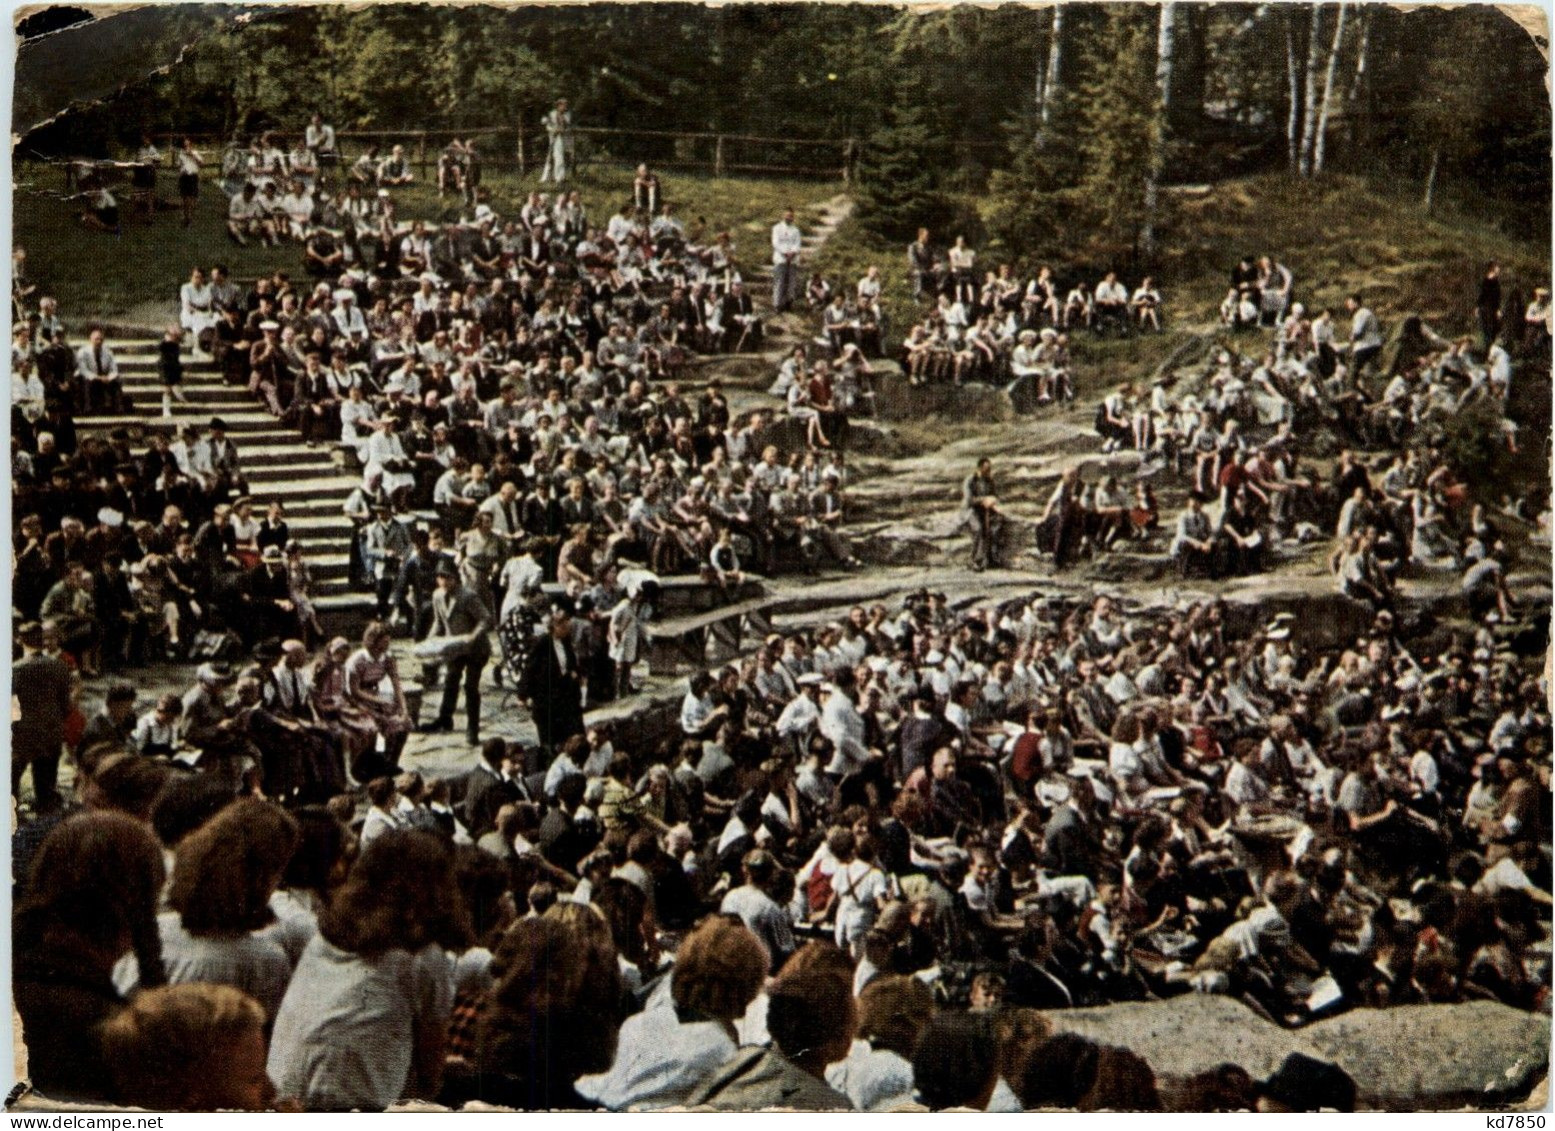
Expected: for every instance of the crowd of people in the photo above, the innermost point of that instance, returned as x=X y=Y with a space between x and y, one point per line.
x=1312 y=438
x=993 y=325
x=849 y=877
x=862 y=865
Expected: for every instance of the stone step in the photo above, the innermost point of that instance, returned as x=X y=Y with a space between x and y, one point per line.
x=293 y=490
x=243 y=421
x=228 y=398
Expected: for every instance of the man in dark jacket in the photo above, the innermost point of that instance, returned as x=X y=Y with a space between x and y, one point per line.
x=40 y=686
x=552 y=688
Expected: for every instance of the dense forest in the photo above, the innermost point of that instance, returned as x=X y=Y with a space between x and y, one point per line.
x=1085 y=112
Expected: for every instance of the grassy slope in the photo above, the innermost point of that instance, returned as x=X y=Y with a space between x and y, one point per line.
x=135 y=277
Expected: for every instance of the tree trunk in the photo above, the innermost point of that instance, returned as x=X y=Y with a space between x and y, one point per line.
x=1355 y=113
x=1328 y=94
x=1055 y=58
x=1309 y=115
x=1293 y=118
x=1430 y=179
x=1165 y=45
x=1360 y=59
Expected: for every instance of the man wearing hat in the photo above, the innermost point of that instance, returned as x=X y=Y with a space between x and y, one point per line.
x=347 y=316
x=268 y=589
x=458 y=614
x=209 y=725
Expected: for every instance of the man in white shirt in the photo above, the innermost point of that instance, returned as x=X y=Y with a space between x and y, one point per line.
x=1365 y=336
x=347 y=315
x=786 y=243
x=803 y=712
x=843 y=726
x=1111 y=303
x=760 y=913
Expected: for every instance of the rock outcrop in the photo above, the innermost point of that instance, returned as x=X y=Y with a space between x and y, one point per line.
x=1409 y=1058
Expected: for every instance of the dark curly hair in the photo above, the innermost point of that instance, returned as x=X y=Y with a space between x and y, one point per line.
x=555 y=1014
x=226 y=870
x=401 y=894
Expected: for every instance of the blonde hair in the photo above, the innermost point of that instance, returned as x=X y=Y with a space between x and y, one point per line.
x=167 y=1039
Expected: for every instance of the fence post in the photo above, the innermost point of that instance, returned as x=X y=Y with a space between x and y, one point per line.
x=421 y=154
x=522 y=169
x=847 y=161
x=718 y=156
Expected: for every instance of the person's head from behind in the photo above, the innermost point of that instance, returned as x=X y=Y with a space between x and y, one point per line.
x=185 y=802
x=227 y=869
x=555 y=1010
x=318 y=864
x=191 y=1047
x=123 y=781
x=400 y=894
x=956 y=1061
x=812 y=1016
x=625 y=909
x=93 y=888
x=893 y=1012
x=1304 y=1083
x=719 y=969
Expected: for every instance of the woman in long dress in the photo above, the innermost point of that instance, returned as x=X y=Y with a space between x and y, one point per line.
x=366 y=672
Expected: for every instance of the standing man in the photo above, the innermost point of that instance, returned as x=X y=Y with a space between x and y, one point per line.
x=551 y=688
x=559 y=149
x=40 y=691
x=1488 y=305
x=457 y=613
x=1365 y=336
x=786 y=242
x=920 y=265
x=980 y=504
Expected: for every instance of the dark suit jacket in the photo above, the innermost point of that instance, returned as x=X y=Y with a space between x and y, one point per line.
x=41 y=686
x=557 y=697
x=484 y=794
x=1067 y=849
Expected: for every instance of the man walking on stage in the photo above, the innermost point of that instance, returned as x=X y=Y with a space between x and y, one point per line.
x=458 y=614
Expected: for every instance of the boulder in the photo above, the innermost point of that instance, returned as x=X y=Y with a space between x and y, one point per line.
x=1183 y=1036
x=1435 y=1057
x=1409 y=1058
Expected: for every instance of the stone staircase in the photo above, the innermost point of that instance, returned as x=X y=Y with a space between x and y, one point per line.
x=307 y=480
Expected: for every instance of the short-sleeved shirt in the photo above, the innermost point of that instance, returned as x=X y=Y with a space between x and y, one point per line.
x=345 y=1034
x=255 y=963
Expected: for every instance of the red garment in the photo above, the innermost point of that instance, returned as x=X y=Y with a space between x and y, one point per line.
x=1026 y=757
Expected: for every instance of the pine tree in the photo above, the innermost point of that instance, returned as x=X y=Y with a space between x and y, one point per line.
x=898 y=187
x=1117 y=137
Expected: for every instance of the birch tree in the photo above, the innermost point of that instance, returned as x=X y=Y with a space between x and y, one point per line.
x=1165 y=51
x=1319 y=143
x=1309 y=100
x=1055 y=59
x=1293 y=77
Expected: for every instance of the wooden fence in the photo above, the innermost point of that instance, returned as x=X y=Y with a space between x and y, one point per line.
x=523 y=150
